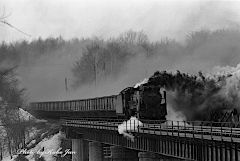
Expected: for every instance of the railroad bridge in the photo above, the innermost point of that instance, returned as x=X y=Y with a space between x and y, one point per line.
x=154 y=141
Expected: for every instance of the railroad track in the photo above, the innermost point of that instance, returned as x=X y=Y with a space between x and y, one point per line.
x=170 y=128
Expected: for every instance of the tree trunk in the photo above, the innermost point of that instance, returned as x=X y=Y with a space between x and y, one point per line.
x=1 y=151
x=9 y=147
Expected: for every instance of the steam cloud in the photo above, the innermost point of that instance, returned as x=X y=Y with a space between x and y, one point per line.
x=207 y=54
x=44 y=77
x=129 y=126
x=231 y=87
x=180 y=19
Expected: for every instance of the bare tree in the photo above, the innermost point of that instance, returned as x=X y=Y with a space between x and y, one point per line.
x=3 y=20
x=86 y=67
x=11 y=99
x=132 y=37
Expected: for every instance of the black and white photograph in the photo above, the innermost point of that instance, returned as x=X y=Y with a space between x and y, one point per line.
x=119 y=80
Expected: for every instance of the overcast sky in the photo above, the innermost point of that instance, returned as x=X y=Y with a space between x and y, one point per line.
x=106 y=18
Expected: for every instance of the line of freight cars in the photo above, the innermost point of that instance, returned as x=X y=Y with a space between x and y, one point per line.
x=147 y=102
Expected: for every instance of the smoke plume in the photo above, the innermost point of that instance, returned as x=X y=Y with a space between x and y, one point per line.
x=185 y=36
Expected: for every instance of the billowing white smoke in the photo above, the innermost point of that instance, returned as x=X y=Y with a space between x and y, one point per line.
x=231 y=88
x=174 y=115
x=140 y=83
x=129 y=126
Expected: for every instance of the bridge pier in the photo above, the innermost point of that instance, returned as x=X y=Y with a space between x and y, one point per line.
x=79 y=147
x=122 y=154
x=95 y=151
x=168 y=147
x=148 y=156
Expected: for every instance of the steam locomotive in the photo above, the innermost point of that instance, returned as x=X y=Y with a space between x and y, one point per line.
x=145 y=101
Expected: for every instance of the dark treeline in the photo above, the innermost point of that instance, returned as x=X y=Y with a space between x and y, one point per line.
x=28 y=52
x=202 y=50
x=97 y=59
x=9 y=90
x=103 y=59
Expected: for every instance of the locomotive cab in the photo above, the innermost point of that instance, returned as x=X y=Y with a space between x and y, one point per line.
x=147 y=102
x=153 y=103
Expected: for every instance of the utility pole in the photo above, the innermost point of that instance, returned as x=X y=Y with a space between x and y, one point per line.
x=66 y=86
x=95 y=69
x=95 y=72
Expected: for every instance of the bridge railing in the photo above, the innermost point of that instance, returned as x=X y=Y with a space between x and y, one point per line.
x=192 y=129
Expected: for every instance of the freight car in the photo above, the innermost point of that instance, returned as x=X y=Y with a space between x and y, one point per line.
x=147 y=102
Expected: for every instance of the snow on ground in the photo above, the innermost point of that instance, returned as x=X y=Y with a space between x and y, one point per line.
x=25 y=116
x=47 y=148
x=43 y=134
x=32 y=133
x=50 y=145
x=32 y=142
x=9 y=159
x=40 y=121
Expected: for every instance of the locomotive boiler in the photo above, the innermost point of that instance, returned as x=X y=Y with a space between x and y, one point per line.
x=145 y=101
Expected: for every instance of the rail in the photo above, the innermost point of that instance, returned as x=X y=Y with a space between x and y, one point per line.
x=190 y=129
